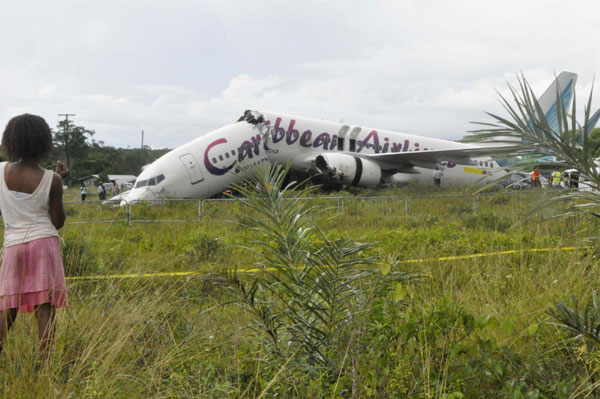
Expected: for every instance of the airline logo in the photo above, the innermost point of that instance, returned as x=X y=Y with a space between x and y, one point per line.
x=278 y=135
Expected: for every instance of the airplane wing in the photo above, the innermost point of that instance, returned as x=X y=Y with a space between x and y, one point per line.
x=430 y=158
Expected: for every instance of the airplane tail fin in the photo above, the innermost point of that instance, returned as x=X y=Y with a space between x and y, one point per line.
x=593 y=122
x=561 y=89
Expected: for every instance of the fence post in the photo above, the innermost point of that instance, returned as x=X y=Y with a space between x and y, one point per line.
x=128 y=212
x=476 y=204
x=200 y=209
x=407 y=199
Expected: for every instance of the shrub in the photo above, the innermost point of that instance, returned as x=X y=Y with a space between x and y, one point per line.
x=312 y=296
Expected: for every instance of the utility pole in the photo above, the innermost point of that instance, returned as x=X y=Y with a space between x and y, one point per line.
x=142 y=152
x=66 y=132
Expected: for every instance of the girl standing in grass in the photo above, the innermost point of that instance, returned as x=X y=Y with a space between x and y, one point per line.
x=31 y=275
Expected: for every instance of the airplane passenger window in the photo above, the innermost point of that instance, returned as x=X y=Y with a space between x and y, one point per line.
x=152 y=182
x=141 y=183
x=226 y=155
x=160 y=178
x=233 y=153
x=220 y=157
x=214 y=160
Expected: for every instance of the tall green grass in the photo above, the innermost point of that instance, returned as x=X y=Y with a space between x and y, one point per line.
x=473 y=327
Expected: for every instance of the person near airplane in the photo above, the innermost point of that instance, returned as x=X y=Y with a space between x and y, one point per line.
x=437 y=177
x=535 y=178
x=555 y=175
x=32 y=275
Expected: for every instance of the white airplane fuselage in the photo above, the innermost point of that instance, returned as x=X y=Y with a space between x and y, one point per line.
x=209 y=164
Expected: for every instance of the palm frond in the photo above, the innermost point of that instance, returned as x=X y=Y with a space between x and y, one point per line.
x=584 y=321
x=528 y=129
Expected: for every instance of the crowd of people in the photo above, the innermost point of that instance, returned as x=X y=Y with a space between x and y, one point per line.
x=102 y=190
x=556 y=179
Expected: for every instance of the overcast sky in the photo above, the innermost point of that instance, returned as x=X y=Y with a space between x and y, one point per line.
x=180 y=68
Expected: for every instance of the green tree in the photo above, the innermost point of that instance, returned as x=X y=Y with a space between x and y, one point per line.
x=72 y=144
x=88 y=156
x=77 y=137
x=595 y=140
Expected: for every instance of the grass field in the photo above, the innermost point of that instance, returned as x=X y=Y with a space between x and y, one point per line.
x=464 y=327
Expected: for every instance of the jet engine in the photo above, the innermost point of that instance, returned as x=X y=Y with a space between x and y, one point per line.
x=349 y=170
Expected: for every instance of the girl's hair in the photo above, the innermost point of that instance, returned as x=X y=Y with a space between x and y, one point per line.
x=26 y=137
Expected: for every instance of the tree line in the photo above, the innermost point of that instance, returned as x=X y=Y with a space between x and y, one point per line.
x=89 y=156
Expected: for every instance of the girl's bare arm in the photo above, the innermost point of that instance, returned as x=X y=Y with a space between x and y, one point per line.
x=57 y=209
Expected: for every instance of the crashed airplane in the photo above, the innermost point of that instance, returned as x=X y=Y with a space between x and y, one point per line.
x=345 y=154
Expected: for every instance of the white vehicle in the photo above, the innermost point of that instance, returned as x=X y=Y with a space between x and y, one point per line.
x=347 y=154
x=517 y=181
x=575 y=180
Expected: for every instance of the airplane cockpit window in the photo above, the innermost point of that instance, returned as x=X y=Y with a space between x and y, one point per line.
x=150 y=182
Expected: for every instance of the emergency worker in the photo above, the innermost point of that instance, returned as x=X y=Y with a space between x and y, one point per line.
x=535 y=178
x=556 y=178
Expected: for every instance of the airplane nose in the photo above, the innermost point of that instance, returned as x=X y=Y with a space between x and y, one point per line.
x=139 y=194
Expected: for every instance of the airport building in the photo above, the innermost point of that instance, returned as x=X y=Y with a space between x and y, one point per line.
x=119 y=180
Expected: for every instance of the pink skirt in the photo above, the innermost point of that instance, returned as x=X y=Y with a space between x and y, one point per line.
x=32 y=274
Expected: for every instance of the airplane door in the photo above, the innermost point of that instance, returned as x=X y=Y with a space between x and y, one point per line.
x=192 y=167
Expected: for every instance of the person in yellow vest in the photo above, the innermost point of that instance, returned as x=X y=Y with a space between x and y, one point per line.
x=556 y=178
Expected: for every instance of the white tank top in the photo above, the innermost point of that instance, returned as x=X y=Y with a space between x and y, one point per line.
x=26 y=218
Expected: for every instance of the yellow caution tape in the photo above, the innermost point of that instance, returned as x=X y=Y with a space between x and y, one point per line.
x=255 y=270
x=509 y=252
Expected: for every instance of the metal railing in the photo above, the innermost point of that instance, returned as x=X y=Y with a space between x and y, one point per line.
x=226 y=209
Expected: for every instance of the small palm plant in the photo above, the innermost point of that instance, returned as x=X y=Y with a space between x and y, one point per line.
x=530 y=132
x=310 y=292
x=582 y=321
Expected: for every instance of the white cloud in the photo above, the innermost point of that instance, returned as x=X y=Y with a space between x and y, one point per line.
x=180 y=69
x=48 y=91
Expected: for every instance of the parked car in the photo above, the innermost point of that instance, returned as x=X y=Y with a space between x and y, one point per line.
x=517 y=181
